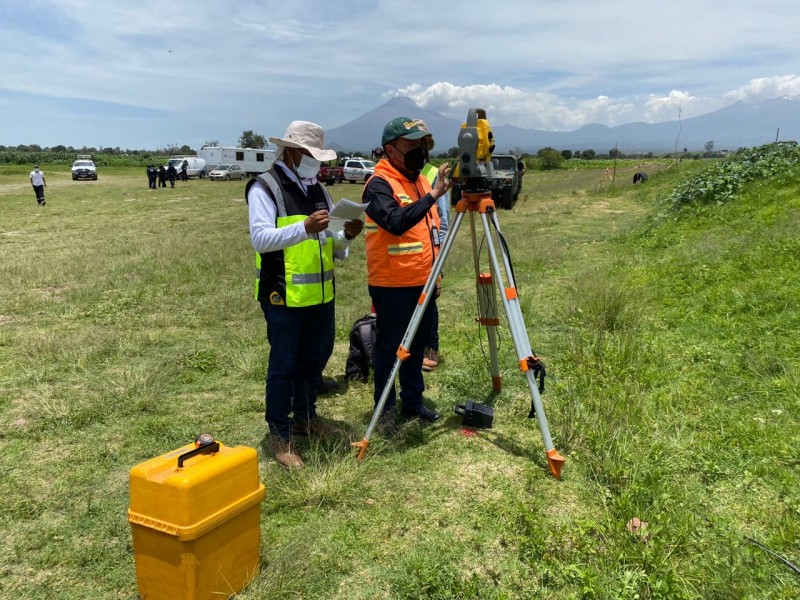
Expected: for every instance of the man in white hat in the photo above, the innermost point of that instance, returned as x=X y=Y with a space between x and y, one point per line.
x=288 y=211
x=38 y=183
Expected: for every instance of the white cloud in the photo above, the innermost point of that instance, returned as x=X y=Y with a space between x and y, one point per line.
x=675 y=105
x=765 y=88
x=530 y=63
x=539 y=110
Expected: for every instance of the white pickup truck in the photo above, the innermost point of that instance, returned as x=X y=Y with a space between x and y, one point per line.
x=358 y=169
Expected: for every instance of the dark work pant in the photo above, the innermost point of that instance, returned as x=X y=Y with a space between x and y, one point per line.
x=39 y=191
x=301 y=342
x=394 y=308
x=434 y=339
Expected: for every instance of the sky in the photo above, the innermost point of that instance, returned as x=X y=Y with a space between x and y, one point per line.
x=149 y=74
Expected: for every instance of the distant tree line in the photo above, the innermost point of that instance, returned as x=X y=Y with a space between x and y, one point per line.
x=545 y=158
x=103 y=157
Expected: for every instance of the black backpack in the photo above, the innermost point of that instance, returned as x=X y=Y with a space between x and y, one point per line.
x=362 y=348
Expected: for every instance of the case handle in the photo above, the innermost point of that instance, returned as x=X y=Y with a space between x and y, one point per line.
x=204 y=449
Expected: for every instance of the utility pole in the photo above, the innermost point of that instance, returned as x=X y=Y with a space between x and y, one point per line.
x=614 y=170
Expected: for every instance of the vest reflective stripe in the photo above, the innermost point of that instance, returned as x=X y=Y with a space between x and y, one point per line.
x=412 y=248
x=312 y=278
x=308 y=266
x=430 y=173
x=405 y=260
x=258 y=274
x=303 y=266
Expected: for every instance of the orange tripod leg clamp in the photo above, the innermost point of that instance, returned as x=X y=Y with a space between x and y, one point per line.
x=362 y=448
x=555 y=461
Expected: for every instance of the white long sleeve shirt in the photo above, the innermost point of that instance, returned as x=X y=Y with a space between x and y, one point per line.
x=267 y=237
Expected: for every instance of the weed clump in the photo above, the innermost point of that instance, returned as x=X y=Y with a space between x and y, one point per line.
x=722 y=182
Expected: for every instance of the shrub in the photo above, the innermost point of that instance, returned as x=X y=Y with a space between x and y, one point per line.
x=720 y=183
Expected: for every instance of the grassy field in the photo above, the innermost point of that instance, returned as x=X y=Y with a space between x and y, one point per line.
x=672 y=341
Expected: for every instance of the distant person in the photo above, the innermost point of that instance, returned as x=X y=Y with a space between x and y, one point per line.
x=288 y=215
x=38 y=183
x=152 y=174
x=639 y=177
x=402 y=242
x=184 y=171
x=162 y=176
x=172 y=175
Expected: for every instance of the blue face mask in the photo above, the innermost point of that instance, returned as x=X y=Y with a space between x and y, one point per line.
x=308 y=167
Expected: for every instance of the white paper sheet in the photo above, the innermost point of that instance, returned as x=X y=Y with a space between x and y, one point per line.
x=345 y=210
x=348 y=210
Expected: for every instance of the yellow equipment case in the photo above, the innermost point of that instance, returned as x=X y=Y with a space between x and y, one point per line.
x=195 y=519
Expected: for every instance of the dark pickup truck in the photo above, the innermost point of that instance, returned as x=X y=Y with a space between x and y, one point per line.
x=331 y=173
x=505 y=184
x=507 y=181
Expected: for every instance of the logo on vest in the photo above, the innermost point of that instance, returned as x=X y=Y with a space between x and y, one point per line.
x=275 y=299
x=321 y=206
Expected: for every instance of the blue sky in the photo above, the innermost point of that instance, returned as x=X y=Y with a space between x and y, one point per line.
x=149 y=74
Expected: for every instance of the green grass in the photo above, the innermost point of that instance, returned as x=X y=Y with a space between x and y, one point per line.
x=127 y=326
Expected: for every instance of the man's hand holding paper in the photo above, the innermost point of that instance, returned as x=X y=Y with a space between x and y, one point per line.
x=346 y=215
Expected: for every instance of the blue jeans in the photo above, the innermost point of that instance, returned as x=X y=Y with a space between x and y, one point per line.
x=300 y=344
x=394 y=308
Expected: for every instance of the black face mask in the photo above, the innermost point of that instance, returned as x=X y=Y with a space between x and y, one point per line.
x=414 y=159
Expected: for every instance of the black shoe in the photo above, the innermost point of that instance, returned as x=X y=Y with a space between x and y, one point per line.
x=326 y=385
x=425 y=414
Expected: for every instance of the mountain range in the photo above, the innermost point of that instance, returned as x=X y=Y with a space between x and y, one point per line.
x=739 y=125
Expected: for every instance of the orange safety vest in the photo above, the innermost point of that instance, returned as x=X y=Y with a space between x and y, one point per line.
x=405 y=260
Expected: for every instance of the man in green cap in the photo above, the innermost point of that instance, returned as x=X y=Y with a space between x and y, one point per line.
x=402 y=241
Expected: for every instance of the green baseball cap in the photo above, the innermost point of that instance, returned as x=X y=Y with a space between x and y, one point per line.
x=403 y=127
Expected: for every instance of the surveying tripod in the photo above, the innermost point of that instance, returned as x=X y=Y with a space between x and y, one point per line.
x=481 y=203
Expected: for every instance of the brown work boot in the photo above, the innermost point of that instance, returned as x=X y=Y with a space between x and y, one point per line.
x=430 y=359
x=285 y=453
x=316 y=428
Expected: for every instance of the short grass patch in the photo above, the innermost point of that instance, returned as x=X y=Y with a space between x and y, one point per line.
x=127 y=326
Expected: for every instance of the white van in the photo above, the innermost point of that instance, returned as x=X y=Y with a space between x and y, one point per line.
x=195 y=167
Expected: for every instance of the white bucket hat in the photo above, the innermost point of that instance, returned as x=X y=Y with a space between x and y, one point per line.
x=305 y=135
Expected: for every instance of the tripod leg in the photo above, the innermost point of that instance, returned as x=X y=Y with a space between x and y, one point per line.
x=488 y=318
x=487 y=306
x=521 y=342
x=411 y=331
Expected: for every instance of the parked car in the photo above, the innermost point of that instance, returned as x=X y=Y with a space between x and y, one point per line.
x=227 y=172
x=505 y=182
x=84 y=168
x=330 y=173
x=358 y=169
